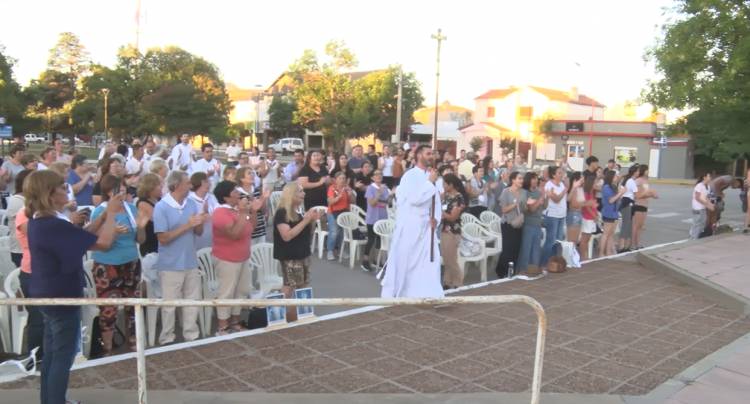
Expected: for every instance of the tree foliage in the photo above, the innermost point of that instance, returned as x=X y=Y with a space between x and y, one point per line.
x=281 y=116
x=69 y=56
x=13 y=102
x=166 y=91
x=704 y=61
x=343 y=105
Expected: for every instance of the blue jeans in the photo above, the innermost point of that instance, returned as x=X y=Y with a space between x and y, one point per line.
x=335 y=233
x=62 y=339
x=554 y=226
x=35 y=325
x=531 y=247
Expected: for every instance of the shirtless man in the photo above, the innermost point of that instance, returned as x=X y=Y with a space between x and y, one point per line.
x=716 y=195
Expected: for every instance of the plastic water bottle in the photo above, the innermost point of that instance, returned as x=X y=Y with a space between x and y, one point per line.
x=511 y=270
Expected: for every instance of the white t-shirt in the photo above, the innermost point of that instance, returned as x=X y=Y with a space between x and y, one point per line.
x=133 y=165
x=387 y=166
x=272 y=175
x=233 y=152
x=703 y=190
x=630 y=189
x=556 y=209
x=203 y=166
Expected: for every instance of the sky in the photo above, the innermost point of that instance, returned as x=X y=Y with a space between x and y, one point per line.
x=490 y=44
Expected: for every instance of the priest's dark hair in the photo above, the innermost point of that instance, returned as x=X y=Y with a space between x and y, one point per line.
x=420 y=148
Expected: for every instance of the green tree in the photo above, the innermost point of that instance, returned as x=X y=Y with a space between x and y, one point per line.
x=376 y=101
x=13 y=103
x=324 y=95
x=69 y=56
x=281 y=116
x=703 y=59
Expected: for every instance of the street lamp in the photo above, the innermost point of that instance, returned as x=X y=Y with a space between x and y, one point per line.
x=440 y=38
x=105 y=92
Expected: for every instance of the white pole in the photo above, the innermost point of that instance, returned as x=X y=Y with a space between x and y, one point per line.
x=397 y=137
x=140 y=346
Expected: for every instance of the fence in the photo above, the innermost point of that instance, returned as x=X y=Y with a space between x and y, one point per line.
x=140 y=326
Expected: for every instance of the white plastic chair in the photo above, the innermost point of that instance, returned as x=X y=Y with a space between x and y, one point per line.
x=349 y=221
x=266 y=268
x=492 y=248
x=210 y=283
x=319 y=235
x=88 y=313
x=487 y=217
x=481 y=257
x=496 y=230
x=391 y=212
x=18 y=314
x=384 y=229
x=5 y=326
x=5 y=243
x=150 y=277
x=467 y=218
x=361 y=214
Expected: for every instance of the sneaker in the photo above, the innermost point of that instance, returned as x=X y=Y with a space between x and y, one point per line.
x=366 y=267
x=330 y=256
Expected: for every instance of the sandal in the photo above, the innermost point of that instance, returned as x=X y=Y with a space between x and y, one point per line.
x=223 y=331
x=236 y=326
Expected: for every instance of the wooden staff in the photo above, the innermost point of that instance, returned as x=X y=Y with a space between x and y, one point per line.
x=432 y=231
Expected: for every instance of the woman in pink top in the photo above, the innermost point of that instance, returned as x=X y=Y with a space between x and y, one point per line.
x=232 y=224
x=35 y=327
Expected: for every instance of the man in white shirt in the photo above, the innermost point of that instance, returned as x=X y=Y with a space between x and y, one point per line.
x=466 y=167
x=208 y=164
x=108 y=148
x=149 y=154
x=233 y=152
x=699 y=204
x=135 y=164
x=49 y=156
x=182 y=154
x=272 y=170
x=60 y=153
x=291 y=171
x=385 y=164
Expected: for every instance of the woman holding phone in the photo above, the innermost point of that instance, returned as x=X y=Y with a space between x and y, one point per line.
x=57 y=272
x=117 y=270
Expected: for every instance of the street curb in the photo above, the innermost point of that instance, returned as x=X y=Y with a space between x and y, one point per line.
x=711 y=290
x=672 y=181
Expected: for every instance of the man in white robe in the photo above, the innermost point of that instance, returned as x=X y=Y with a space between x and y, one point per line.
x=410 y=272
x=182 y=154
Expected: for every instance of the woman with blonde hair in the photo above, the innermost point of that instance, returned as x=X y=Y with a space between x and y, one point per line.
x=57 y=272
x=149 y=193
x=291 y=241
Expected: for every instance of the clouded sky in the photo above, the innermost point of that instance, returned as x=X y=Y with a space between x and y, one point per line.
x=490 y=43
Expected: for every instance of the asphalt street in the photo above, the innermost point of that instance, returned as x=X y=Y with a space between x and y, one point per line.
x=668 y=220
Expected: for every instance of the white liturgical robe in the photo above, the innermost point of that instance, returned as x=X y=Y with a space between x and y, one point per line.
x=409 y=272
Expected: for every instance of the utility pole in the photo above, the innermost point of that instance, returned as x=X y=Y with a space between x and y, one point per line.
x=49 y=123
x=440 y=38
x=105 y=91
x=138 y=25
x=397 y=136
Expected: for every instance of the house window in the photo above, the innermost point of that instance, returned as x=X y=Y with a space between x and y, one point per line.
x=490 y=112
x=575 y=150
x=525 y=112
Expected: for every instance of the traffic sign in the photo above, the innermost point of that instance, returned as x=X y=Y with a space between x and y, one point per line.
x=6 y=131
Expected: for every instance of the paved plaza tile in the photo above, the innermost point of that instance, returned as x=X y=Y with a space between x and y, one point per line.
x=614 y=328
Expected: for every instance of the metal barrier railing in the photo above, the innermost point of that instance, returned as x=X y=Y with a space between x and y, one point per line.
x=140 y=328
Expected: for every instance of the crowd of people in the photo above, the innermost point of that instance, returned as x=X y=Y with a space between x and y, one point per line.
x=145 y=198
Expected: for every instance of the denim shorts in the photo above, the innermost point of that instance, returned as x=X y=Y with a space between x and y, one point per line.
x=574 y=218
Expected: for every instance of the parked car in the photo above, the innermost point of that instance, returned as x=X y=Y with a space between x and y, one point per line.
x=287 y=145
x=66 y=140
x=32 y=138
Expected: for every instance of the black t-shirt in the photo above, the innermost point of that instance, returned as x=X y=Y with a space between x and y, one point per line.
x=373 y=161
x=314 y=196
x=367 y=180
x=295 y=249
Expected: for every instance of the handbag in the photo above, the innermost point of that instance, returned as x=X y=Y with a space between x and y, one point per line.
x=517 y=221
x=468 y=248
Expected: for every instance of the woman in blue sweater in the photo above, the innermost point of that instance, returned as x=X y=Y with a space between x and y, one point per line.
x=57 y=248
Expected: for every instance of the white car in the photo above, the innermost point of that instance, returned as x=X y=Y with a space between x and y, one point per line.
x=287 y=145
x=32 y=138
